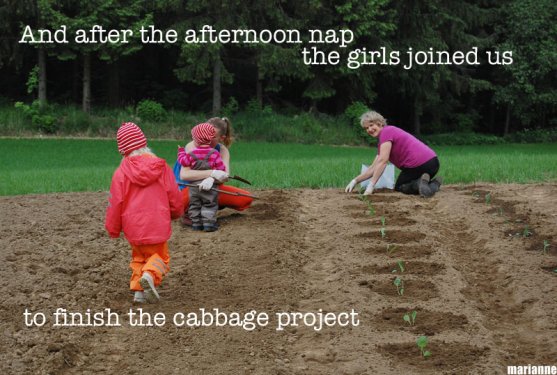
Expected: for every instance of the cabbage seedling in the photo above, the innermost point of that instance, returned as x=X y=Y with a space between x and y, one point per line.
x=371 y=210
x=422 y=344
x=400 y=265
x=391 y=248
x=545 y=246
x=399 y=283
x=410 y=318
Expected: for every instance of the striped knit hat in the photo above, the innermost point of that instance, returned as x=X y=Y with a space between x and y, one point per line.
x=130 y=138
x=203 y=134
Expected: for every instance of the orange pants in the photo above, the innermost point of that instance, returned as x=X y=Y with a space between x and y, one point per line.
x=236 y=202
x=149 y=258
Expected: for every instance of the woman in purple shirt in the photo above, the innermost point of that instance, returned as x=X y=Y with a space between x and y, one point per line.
x=418 y=163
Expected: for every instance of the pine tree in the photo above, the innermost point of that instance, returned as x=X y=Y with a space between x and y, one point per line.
x=451 y=25
x=527 y=88
x=84 y=15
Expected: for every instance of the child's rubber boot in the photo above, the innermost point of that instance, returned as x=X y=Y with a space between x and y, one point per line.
x=139 y=297
x=210 y=227
x=148 y=285
x=185 y=220
x=423 y=186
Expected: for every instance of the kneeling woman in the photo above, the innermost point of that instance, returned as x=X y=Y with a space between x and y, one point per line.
x=417 y=162
x=222 y=141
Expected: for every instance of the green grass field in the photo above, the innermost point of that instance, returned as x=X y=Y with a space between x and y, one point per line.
x=61 y=165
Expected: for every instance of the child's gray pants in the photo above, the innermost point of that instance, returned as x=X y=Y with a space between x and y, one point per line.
x=203 y=206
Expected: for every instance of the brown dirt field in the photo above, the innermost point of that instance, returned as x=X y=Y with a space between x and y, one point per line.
x=475 y=272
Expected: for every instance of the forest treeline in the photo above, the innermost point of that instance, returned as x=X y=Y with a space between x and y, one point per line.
x=490 y=97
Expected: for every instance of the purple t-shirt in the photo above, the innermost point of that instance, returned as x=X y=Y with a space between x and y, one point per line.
x=406 y=151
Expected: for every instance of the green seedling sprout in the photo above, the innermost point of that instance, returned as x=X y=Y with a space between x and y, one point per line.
x=488 y=198
x=399 y=283
x=391 y=248
x=383 y=220
x=422 y=344
x=410 y=318
x=400 y=265
x=526 y=232
x=371 y=210
x=545 y=246
x=383 y=234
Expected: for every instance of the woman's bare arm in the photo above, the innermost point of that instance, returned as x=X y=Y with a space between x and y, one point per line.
x=188 y=174
x=368 y=172
x=381 y=162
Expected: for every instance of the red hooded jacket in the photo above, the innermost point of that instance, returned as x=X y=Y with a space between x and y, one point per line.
x=143 y=199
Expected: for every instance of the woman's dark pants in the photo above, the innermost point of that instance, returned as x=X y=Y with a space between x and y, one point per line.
x=407 y=181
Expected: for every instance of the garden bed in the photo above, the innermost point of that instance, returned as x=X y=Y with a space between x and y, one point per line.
x=484 y=298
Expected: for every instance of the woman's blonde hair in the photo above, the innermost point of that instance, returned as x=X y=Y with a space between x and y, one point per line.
x=372 y=116
x=224 y=127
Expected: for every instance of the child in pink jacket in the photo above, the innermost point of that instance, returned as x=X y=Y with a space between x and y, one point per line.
x=143 y=200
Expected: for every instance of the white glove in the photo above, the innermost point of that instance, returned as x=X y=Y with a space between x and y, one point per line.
x=350 y=186
x=206 y=184
x=220 y=176
x=369 y=189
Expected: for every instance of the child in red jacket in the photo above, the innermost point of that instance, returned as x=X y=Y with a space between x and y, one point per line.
x=143 y=200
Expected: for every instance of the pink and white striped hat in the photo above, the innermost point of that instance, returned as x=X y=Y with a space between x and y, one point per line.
x=203 y=134
x=130 y=138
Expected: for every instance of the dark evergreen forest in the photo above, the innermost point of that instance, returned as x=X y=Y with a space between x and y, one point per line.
x=494 y=97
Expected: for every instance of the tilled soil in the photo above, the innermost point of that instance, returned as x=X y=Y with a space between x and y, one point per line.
x=478 y=268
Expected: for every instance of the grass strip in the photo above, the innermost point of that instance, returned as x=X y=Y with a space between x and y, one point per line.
x=63 y=165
